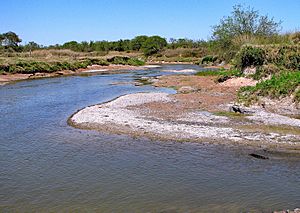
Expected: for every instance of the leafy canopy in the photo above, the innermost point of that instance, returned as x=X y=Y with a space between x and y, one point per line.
x=245 y=21
x=153 y=44
x=9 y=39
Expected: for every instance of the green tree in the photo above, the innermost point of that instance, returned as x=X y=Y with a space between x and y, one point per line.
x=31 y=46
x=10 y=39
x=138 y=41
x=71 y=45
x=245 y=21
x=153 y=45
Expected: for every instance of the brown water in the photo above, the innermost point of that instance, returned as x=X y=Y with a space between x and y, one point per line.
x=46 y=165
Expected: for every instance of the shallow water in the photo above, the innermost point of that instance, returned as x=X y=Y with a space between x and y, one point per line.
x=46 y=165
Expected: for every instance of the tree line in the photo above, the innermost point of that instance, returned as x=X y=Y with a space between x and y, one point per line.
x=150 y=45
x=243 y=25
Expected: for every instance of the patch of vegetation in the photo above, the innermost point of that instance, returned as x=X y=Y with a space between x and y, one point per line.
x=124 y=60
x=220 y=72
x=265 y=71
x=230 y=114
x=30 y=67
x=153 y=45
x=282 y=129
x=280 y=85
x=283 y=56
x=208 y=59
x=250 y=56
x=135 y=62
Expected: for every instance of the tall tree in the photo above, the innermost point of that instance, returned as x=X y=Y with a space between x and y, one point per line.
x=10 y=39
x=245 y=21
x=153 y=45
x=138 y=41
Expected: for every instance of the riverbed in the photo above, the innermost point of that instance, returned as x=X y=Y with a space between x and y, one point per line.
x=48 y=166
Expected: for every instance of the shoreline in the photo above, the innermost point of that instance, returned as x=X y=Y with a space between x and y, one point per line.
x=90 y=70
x=130 y=115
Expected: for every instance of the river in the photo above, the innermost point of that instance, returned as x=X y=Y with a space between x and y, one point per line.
x=48 y=166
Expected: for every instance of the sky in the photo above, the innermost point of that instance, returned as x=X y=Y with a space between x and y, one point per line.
x=57 y=21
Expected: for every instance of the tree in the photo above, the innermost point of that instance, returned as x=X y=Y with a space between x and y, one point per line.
x=137 y=42
x=31 y=46
x=153 y=45
x=10 y=39
x=72 y=45
x=245 y=21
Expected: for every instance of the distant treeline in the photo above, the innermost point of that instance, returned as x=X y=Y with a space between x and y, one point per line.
x=148 y=44
x=243 y=26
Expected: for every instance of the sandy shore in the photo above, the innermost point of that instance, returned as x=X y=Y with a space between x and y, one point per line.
x=134 y=114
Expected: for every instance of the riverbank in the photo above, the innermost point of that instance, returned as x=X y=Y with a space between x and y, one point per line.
x=196 y=113
x=112 y=68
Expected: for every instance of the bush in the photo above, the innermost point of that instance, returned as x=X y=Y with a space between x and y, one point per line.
x=250 y=56
x=124 y=60
x=135 y=62
x=119 y=60
x=100 y=62
x=208 y=59
x=283 y=56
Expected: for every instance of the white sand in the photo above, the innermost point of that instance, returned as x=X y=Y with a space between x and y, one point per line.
x=181 y=71
x=118 y=113
x=100 y=70
x=151 y=66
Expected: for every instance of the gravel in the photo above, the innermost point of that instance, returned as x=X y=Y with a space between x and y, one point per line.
x=118 y=113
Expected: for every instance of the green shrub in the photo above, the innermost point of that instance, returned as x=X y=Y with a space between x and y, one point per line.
x=285 y=56
x=16 y=69
x=219 y=72
x=208 y=59
x=100 y=62
x=135 y=62
x=250 y=56
x=124 y=60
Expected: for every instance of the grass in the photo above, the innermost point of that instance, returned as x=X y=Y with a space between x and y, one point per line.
x=233 y=115
x=282 y=129
x=222 y=74
x=230 y=114
x=219 y=72
x=282 y=85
